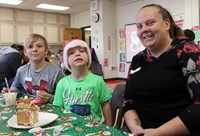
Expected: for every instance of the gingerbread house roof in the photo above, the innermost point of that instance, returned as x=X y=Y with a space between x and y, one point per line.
x=25 y=104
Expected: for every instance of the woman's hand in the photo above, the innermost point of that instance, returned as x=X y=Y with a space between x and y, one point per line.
x=147 y=132
x=133 y=122
x=137 y=130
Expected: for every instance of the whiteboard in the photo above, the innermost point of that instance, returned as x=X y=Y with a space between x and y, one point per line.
x=133 y=44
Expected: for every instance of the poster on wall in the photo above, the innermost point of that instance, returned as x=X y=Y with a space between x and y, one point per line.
x=197 y=37
x=196 y=30
x=179 y=23
x=132 y=42
x=105 y=62
x=122 y=44
x=122 y=67
x=122 y=57
x=121 y=38
x=121 y=33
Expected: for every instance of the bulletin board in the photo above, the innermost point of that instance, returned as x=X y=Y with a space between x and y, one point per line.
x=132 y=42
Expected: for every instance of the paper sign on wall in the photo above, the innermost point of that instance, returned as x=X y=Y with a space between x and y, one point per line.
x=122 y=67
x=105 y=62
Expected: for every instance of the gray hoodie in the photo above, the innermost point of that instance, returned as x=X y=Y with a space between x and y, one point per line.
x=6 y=50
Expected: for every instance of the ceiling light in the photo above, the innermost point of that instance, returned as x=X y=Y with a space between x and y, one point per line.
x=51 y=7
x=11 y=2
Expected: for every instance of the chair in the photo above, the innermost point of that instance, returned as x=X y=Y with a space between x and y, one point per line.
x=116 y=103
x=95 y=68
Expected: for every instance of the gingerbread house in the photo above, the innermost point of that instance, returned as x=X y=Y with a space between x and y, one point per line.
x=27 y=112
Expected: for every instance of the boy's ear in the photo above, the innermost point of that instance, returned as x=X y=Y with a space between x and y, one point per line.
x=25 y=53
x=46 y=52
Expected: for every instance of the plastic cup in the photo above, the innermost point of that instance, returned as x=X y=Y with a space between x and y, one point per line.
x=10 y=98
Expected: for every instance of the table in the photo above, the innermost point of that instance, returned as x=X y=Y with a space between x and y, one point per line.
x=73 y=124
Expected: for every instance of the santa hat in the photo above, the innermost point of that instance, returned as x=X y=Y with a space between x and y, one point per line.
x=71 y=44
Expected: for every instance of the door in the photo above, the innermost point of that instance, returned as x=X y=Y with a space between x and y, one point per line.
x=72 y=33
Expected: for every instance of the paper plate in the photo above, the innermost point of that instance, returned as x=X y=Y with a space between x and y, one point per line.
x=44 y=119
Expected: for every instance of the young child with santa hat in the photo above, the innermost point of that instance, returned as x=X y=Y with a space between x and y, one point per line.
x=82 y=92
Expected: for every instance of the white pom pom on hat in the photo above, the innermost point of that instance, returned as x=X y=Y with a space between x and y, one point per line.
x=75 y=43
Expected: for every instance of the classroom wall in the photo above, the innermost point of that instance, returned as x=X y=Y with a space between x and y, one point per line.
x=126 y=10
x=103 y=35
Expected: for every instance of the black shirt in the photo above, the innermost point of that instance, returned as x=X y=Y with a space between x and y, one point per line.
x=162 y=88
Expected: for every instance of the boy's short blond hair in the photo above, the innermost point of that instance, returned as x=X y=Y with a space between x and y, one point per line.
x=33 y=38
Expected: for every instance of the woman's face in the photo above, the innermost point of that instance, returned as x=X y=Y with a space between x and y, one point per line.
x=36 y=51
x=152 y=29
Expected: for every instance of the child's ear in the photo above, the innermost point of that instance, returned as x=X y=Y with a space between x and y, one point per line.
x=25 y=53
x=46 y=52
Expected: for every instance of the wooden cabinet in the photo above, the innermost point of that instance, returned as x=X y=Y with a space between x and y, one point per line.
x=7 y=33
x=39 y=29
x=52 y=34
x=22 y=16
x=72 y=33
x=51 y=18
x=64 y=20
x=6 y=14
x=38 y=17
x=23 y=31
x=16 y=25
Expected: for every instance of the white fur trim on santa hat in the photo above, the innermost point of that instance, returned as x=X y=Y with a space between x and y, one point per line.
x=71 y=44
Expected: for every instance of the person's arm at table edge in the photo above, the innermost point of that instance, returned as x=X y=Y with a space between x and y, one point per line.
x=173 y=127
x=132 y=121
x=107 y=113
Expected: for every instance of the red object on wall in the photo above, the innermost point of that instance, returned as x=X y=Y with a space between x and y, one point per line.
x=105 y=62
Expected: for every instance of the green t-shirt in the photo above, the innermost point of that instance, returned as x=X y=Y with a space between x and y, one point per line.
x=90 y=91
